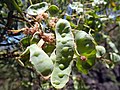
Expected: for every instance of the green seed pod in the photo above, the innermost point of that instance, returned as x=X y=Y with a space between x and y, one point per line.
x=36 y=9
x=40 y=60
x=64 y=54
x=84 y=42
x=86 y=48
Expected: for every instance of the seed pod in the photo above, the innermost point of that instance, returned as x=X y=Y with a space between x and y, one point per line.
x=86 y=48
x=84 y=42
x=40 y=60
x=64 y=54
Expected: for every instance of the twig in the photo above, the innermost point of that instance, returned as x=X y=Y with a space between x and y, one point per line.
x=30 y=2
x=113 y=28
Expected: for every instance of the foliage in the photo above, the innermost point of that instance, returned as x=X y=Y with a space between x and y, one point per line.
x=58 y=39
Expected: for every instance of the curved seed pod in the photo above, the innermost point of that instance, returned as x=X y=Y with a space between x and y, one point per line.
x=84 y=42
x=64 y=54
x=86 y=48
x=38 y=8
x=40 y=60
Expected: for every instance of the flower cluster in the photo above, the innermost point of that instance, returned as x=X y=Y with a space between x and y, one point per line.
x=32 y=30
x=52 y=22
x=48 y=37
x=42 y=16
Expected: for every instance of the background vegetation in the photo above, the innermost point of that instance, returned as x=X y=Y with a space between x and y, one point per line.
x=99 y=18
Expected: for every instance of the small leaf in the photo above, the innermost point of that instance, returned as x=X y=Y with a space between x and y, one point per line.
x=53 y=10
x=37 y=8
x=25 y=41
x=77 y=6
x=15 y=31
x=25 y=56
x=91 y=58
x=49 y=48
x=114 y=57
x=112 y=45
x=100 y=51
x=35 y=39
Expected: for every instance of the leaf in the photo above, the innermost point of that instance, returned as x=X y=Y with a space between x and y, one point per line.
x=35 y=39
x=40 y=60
x=25 y=41
x=112 y=45
x=77 y=6
x=12 y=5
x=24 y=57
x=53 y=10
x=15 y=31
x=37 y=8
x=100 y=51
x=90 y=58
x=114 y=57
x=49 y=48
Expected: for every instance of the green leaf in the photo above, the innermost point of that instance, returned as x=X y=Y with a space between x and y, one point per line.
x=40 y=60
x=53 y=10
x=114 y=57
x=25 y=56
x=112 y=45
x=49 y=48
x=90 y=58
x=37 y=8
x=77 y=6
x=35 y=39
x=100 y=51
x=12 y=5
x=25 y=41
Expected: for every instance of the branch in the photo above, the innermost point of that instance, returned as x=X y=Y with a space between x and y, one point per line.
x=113 y=28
